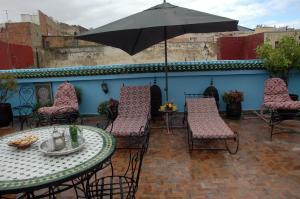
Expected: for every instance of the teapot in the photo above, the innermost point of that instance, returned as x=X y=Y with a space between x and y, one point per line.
x=58 y=140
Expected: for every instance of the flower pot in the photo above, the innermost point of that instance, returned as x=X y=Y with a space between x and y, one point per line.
x=6 y=115
x=234 y=110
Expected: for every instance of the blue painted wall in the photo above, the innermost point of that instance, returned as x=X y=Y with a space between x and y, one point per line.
x=250 y=82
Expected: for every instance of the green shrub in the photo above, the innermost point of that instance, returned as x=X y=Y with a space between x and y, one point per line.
x=8 y=85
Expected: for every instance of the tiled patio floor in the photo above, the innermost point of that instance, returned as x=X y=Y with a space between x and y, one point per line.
x=261 y=169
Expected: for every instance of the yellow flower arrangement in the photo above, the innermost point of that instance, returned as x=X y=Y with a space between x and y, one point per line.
x=168 y=106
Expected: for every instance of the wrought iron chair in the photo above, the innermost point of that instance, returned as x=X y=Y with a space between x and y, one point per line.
x=123 y=186
x=25 y=107
x=64 y=109
x=133 y=114
x=278 y=101
x=205 y=124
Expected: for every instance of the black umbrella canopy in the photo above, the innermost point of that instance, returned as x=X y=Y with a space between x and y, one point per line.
x=164 y=21
x=159 y=23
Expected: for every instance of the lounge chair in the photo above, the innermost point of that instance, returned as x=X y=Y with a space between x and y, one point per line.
x=204 y=123
x=64 y=109
x=133 y=113
x=278 y=101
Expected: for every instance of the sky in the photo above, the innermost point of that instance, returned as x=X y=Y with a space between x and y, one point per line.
x=95 y=13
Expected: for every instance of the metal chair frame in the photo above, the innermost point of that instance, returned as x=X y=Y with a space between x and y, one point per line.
x=123 y=186
x=277 y=117
x=25 y=109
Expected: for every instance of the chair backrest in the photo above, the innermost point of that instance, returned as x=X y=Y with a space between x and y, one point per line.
x=134 y=101
x=26 y=94
x=276 y=91
x=202 y=105
x=134 y=167
x=66 y=96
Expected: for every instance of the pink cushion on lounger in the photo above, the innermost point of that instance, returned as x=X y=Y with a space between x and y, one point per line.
x=133 y=112
x=205 y=121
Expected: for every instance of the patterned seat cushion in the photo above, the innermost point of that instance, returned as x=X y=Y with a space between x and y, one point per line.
x=128 y=126
x=133 y=112
x=204 y=119
x=134 y=101
x=276 y=95
x=201 y=105
x=65 y=101
x=209 y=127
x=288 y=105
x=56 y=110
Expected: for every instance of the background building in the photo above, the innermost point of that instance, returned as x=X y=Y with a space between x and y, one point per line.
x=41 y=41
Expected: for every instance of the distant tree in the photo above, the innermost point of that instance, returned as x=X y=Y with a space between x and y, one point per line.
x=281 y=59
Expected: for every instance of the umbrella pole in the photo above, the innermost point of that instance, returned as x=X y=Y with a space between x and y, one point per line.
x=166 y=64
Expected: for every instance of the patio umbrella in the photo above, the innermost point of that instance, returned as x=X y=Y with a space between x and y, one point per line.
x=159 y=23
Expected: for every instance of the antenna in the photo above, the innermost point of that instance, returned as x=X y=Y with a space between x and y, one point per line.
x=164 y=1
x=7 y=41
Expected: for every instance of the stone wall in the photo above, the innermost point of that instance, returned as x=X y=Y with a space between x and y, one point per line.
x=105 y=55
x=65 y=41
x=273 y=37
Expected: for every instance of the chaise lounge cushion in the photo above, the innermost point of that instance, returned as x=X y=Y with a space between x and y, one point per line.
x=207 y=127
x=128 y=126
x=133 y=112
x=134 y=101
x=204 y=120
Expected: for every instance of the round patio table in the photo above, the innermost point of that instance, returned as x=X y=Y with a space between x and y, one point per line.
x=28 y=170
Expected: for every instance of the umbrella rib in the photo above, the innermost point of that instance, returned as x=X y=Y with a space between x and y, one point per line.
x=136 y=40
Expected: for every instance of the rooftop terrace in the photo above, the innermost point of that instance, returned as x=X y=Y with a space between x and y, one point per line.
x=261 y=168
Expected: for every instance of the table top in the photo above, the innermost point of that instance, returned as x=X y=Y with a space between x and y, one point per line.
x=21 y=169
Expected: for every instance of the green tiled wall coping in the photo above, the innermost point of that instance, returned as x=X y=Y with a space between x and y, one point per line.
x=218 y=65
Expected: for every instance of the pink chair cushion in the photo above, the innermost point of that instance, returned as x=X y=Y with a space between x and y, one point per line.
x=276 y=95
x=56 y=110
x=276 y=91
x=65 y=100
x=125 y=126
x=205 y=121
x=288 y=105
x=134 y=101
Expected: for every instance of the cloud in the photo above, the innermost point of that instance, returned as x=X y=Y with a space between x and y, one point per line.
x=94 y=13
x=290 y=24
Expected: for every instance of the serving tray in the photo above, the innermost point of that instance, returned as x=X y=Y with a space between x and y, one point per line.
x=44 y=147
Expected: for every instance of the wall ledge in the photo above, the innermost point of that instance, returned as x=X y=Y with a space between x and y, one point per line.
x=217 y=65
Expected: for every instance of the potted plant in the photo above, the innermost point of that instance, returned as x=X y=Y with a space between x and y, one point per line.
x=8 y=84
x=233 y=100
x=109 y=108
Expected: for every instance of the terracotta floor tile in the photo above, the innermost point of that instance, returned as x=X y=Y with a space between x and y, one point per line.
x=261 y=169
